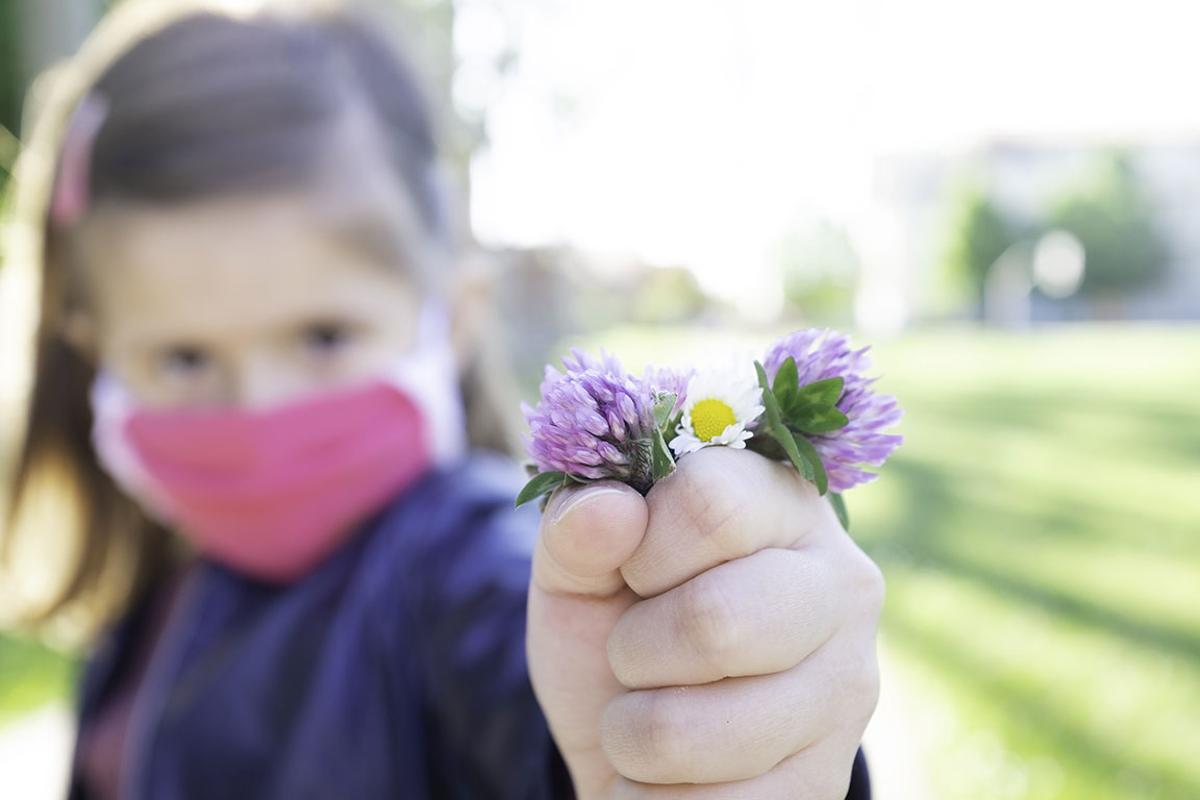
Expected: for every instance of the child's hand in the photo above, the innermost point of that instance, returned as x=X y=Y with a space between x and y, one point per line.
x=753 y=658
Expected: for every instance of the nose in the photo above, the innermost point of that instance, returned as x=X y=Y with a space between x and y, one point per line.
x=258 y=381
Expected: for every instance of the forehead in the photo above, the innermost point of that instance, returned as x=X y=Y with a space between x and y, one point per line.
x=234 y=263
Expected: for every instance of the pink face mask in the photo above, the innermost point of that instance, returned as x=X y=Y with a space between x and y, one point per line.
x=271 y=492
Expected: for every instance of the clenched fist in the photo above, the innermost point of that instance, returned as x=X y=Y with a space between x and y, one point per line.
x=714 y=639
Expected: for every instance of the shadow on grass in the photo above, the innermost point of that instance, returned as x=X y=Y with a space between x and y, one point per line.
x=926 y=534
x=1018 y=509
x=1156 y=426
x=918 y=537
x=1134 y=629
x=1014 y=499
x=1033 y=720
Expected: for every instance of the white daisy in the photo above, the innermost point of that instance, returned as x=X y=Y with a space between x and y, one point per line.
x=720 y=405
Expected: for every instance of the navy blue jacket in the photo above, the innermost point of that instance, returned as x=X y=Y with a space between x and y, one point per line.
x=395 y=669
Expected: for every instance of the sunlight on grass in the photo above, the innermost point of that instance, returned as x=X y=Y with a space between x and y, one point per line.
x=31 y=675
x=1109 y=712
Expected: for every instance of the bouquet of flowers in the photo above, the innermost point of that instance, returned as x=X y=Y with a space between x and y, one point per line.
x=808 y=402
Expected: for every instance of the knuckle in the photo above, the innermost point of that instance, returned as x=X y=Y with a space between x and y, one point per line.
x=710 y=501
x=709 y=620
x=868 y=584
x=623 y=666
x=666 y=735
x=875 y=586
x=862 y=687
x=644 y=736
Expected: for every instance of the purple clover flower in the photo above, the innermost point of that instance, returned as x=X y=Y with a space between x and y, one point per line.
x=821 y=354
x=595 y=420
x=664 y=379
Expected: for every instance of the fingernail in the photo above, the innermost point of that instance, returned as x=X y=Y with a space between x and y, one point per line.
x=580 y=498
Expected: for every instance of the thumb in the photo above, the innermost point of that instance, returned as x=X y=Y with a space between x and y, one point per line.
x=576 y=596
x=587 y=533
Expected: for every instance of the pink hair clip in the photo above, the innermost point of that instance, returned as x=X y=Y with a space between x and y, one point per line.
x=71 y=194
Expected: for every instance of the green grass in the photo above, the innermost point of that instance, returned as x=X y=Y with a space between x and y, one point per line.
x=1040 y=533
x=30 y=675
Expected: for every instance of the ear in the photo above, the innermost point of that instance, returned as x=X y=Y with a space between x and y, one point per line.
x=79 y=330
x=472 y=300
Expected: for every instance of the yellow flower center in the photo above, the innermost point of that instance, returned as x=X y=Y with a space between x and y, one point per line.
x=710 y=417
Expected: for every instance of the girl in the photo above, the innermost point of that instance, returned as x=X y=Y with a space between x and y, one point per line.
x=259 y=439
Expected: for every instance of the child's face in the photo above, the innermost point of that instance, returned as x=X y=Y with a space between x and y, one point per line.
x=245 y=301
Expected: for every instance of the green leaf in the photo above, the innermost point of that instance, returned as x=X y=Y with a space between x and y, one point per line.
x=839 y=508
x=540 y=484
x=786 y=384
x=821 y=393
x=778 y=429
x=662 y=463
x=672 y=425
x=766 y=445
x=811 y=454
x=663 y=403
x=818 y=420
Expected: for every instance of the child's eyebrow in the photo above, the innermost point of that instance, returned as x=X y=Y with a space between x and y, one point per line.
x=379 y=218
x=382 y=240
x=374 y=238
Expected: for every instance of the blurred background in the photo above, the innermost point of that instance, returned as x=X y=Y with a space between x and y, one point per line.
x=1003 y=198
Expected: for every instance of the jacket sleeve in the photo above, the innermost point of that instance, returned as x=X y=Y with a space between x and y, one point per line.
x=860 y=780
x=486 y=734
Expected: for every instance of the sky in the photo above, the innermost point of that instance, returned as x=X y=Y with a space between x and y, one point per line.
x=698 y=132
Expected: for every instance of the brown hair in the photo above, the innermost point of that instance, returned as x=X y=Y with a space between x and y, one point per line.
x=201 y=103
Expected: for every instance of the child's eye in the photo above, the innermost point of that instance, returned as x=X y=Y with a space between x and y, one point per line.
x=184 y=360
x=326 y=337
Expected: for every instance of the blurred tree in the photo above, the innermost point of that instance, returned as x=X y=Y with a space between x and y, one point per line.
x=429 y=30
x=820 y=270
x=978 y=233
x=33 y=35
x=12 y=82
x=455 y=64
x=666 y=295
x=1114 y=220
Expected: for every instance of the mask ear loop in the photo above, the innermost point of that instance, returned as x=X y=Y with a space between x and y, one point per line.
x=112 y=406
x=429 y=374
x=433 y=324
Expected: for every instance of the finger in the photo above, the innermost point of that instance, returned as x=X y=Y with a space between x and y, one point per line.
x=755 y=615
x=739 y=728
x=820 y=772
x=587 y=532
x=576 y=595
x=721 y=504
